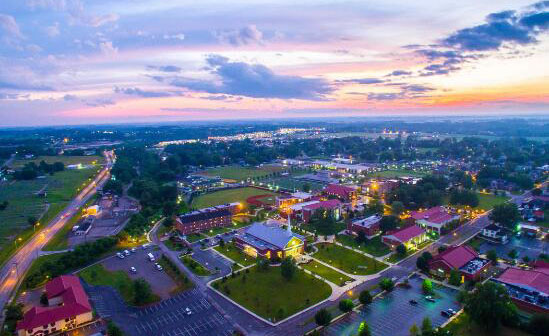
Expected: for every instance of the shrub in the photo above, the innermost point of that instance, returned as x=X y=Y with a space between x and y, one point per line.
x=346 y=305
x=323 y=317
x=386 y=284
x=365 y=297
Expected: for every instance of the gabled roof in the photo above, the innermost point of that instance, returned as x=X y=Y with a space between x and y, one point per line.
x=75 y=302
x=492 y=227
x=338 y=189
x=329 y=204
x=435 y=215
x=273 y=235
x=456 y=256
x=405 y=234
x=528 y=278
x=193 y=217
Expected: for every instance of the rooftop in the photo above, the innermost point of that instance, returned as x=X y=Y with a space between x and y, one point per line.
x=405 y=234
x=196 y=216
x=456 y=256
x=532 y=279
x=329 y=204
x=435 y=215
x=368 y=221
x=273 y=235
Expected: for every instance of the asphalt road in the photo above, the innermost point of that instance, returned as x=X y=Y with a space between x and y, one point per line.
x=15 y=268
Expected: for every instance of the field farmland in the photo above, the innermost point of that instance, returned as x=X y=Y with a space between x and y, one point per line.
x=231 y=195
x=24 y=202
x=239 y=173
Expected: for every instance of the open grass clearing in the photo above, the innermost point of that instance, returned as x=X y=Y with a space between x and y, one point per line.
x=348 y=261
x=268 y=294
x=229 y=196
x=372 y=246
x=488 y=201
x=235 y=254
x=240 y=173
x=335 y=277
x=195 y=266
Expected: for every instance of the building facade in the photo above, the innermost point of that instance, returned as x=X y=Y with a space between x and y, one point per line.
x=369 y=226
x=270 y=242
x=410 y=236
x=460 y=258
x=203 y=220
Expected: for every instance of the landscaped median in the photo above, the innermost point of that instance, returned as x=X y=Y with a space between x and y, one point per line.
x=326 y=272
x=266 y=293
x=347 y=260
x=194 y=266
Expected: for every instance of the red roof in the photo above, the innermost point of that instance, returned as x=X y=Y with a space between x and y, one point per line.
x=339 y=190
x=529 y=278
x=456 y=256
x=405 y=234
x=435 y=215
x=75 y=302
x=329 y=204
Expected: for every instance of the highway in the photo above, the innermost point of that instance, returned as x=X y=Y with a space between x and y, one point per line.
x=15 y=268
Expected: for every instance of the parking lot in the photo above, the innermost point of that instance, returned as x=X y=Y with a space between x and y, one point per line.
x=525 y=246
x=170 y=318
x=160 y=282
x=393 y=315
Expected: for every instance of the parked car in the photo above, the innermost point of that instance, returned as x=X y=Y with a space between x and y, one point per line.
x=158 y=267
x=133 y=250
x=429 y=298
x=413 y=302
x=188 y=311
x=445 y=313
x=133 y=269
x=126 y=252
x=451 y=311
x=119 y=255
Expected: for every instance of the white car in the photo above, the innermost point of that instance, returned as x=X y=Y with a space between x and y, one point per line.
x=120 y=255
x=126 y=252
x=133 y=250
x=133 y=270
x=158 y=267
x=188 y=311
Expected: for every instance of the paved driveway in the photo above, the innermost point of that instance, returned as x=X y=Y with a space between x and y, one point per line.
x=392 y=315
x=525 y=246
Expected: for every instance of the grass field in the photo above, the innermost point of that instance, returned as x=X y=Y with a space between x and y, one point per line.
x=194 y=266
x=98 y=275
x=269 y=295
x=229 y=196
x=347 y=260
x=35 y=266
x=233 y=253
x=67 y=160
x=294 y=184
x=23 y=203
x=373 y=246
x=488 y=201
x=327 y=273
x=397 y=173
x=240 y=173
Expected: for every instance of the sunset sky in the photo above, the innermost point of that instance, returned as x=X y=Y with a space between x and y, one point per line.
x=98 y=61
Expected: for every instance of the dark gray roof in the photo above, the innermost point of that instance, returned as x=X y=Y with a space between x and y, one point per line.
x=272 y=234
x=193 y=217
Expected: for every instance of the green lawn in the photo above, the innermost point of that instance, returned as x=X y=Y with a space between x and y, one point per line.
x=488 y=201
x=327 y=273
x=194 y=266
x=193 y=237
x=397 y=173
x=295 y=184
x=229 y=196
x=67 y=160
x=347 y=260
x=35 y=266
x=217 y=230
x=233 y=253
x=239 y=173
x=174 y=246
x=373 y=246
x=23 y=202
x=269 y=295
x=395 y=257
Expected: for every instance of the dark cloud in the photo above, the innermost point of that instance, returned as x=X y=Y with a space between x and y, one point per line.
x=223 y=97
x=247 y=35
x=384 y=96
x=146 y=94
x=400 y=73
x=407 y=91
x=362 y=81
x=69 y=97
x=164 y=68
x=102 y=102
x=538 y=20
x=254 y=80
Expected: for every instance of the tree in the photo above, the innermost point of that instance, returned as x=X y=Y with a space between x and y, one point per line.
x=538 y=324
x=386 y=284
x=401 y=250
x=414 y=330
x=455 y=278
x=397 y=208
x=44 y=299
x=513 y=254
x=489 y=305
x=32 y=220
x=113 y=330
x=306 y=187
x=423 y=261
x=288 y=268
x=427 y=286
x=426 y=327
x=364 y=329
x=388 y=223
x=323 y=317
x=365 y=297
x=221 y=243
x=142 y=292
x=537 y=192
x=346 y=305
x=506 y=214
x=492 y=256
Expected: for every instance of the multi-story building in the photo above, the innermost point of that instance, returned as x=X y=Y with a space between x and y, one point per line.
x=197 y=221
x=334 y=206
x=345 y=193
x=494 y=233
x=461 y=258
x=270 y=241
x=433 y=219
x=379 y=187
x=68 y=308
x=369 y=226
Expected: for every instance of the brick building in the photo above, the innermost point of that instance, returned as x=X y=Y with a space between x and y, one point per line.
x=203 y=220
